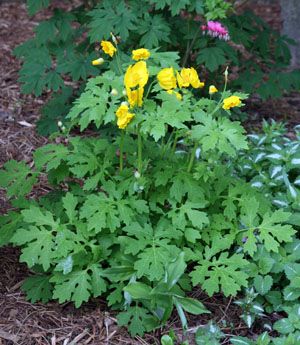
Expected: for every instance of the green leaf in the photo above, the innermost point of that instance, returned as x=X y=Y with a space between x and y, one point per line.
x=111 y=16
x=40 y=217
x=98 y=283
x=166 y=340
x=191 y=305
x=36 y=5
x=211 y=57
x=39 y=245
x=37 y=289
x=152 y=246
x=224 y=135
x=154 y=30
x=175 y=270
x=75 y=286
x=188 y=212
x=50 y=156
x=241 y=341
x=138 y=290
x=17 y=178
x=137 y=319
x=100 y=212
x=70 y=202
x=8 y=226
x=223 y=273
x=272 y=232
x=283 y=326
x=263 y=284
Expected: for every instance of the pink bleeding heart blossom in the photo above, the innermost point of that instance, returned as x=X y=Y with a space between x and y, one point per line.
x=216 y=29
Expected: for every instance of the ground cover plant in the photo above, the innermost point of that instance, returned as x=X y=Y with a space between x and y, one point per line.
x=58 y=58
x=152 y=204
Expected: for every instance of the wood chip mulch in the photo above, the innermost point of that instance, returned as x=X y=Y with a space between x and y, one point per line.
x=21 y=322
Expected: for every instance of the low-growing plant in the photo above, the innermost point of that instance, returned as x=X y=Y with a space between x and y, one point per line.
x=58 y=58
x=148 y=207
x=272 y=165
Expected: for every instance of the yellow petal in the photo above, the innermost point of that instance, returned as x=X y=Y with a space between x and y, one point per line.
x=108 y=48
x=97 y=62
x=166 y=78
x=140 y=54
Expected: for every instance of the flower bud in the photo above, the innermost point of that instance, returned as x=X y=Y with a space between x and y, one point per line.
x=114 y=92
x=114 y=38
x=137 y=174
x=125 y=103
x=98 y=62
x=124 y=92
x=226 y=74
x=63 y=128
x=59 y=124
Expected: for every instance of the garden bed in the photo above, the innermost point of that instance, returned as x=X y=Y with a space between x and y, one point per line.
x=24 y=323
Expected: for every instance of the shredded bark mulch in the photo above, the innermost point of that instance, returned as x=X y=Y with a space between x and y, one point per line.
x=24 y=323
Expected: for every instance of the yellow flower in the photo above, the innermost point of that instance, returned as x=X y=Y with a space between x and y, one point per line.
x=135 y=97
x=140 y=54
x=230 y=102
x=136 y=75
x=177 y=94
x=97 y=62
x=123 y=115
x=194 y=79
x=183 y=78
x=166 y=78
x=108 y=48
x=187 y=77
x=212 y=89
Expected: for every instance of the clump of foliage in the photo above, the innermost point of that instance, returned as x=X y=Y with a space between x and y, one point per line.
x=141 y=213
x=58 y=58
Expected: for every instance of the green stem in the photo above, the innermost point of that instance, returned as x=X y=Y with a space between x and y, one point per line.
x=175 y=142
x=149 y=89
x=121 y=150
x=118 y=62
x=192 y=158
x=221 y=99
x=140 y=147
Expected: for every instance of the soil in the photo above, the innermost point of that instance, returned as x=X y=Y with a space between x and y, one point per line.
x=24 y=323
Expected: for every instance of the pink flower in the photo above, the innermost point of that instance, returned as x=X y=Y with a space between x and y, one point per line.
x=216 y=29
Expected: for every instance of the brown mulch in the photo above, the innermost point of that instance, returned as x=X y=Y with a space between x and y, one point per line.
x=24 y=323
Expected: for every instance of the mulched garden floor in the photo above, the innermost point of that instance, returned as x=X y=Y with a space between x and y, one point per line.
x=24 y=323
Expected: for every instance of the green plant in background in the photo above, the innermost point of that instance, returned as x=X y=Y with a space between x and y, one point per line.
x=273 y=166
x=142 y=213
x=58 y=58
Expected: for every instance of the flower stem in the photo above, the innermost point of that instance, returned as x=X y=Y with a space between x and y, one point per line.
x=222 y=97
x=175 y=142
x=121 y=150
x=192 y=158
x=118 y=62
x=140 y=147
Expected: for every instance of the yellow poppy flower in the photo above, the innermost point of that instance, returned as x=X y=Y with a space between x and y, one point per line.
x=187 y=77
x=98 y=62
x=140 y=54
x=212 y=89
x=136 y=75
x=166 y=78
x=177 y=94
x=194 y=79
x=108 y=48
x=124 y=116
x=230 y=102
x=183 y=78
x=135 y=97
